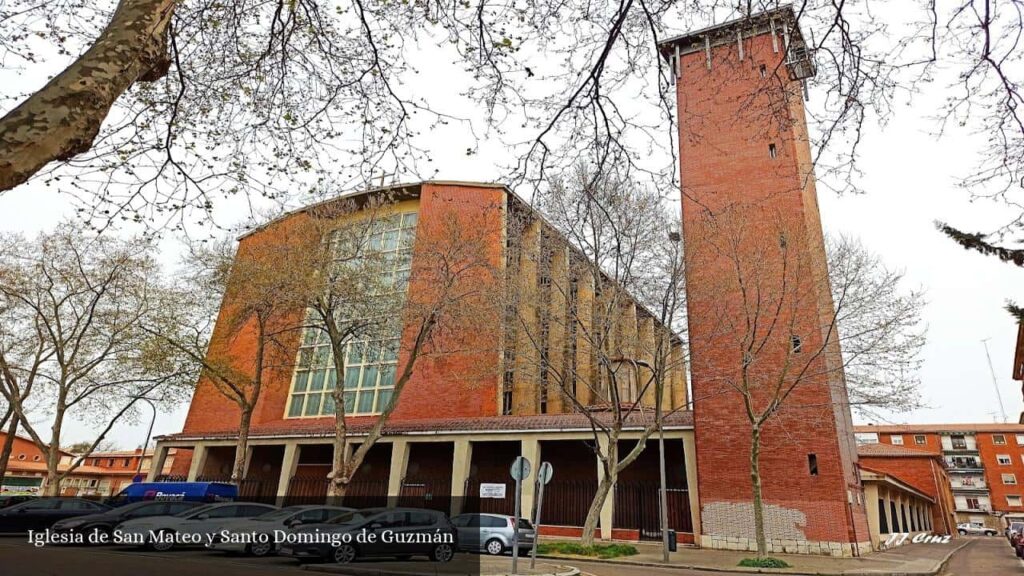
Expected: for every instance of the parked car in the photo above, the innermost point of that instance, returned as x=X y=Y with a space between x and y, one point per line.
x=162 y=533
x=492 y=533
x=180 y=491
x=106 y=521
x=260 y=530
x=975 y=529
x=12 y=499
x=1015 y=528
x=398 y=533
x=41 y=513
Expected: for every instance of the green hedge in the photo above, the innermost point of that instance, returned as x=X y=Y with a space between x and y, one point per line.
x=763 y=563
x=596 y=551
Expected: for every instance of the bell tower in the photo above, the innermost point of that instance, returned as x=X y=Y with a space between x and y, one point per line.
x=760 y=311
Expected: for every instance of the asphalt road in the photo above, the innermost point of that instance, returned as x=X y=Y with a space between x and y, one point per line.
x=18 y=558
x=985 y=557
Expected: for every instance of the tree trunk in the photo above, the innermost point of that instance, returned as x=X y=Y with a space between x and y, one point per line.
x=63 y=118
x=594 y=513
x=5 y=453
x=340 y=469
x=242 y=448
x=755 y=481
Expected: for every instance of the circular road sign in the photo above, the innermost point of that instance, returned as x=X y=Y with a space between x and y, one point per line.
x=520 y=468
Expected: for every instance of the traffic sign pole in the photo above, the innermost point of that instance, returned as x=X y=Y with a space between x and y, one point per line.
x=544 y=474
x=520 y=471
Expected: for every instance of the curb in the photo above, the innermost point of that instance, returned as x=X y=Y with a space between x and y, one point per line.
x=413 y=571
x=737 y=569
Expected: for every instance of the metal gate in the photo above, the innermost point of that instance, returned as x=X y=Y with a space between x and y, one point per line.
x=637 y=507
x=430 y=493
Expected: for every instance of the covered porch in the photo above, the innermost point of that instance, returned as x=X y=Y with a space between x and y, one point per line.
x=443 y=467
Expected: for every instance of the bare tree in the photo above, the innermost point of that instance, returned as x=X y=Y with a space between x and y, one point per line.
x=69 y=336
x=593 y=300
x=166 y=106
x=790 y=320
x=260 y=292
x=360 y=303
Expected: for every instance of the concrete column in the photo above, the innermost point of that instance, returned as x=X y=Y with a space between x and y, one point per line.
x=530 y=449
x=645 y=349
x=156 y=467
x=586 y=377
x=608 y=508
x=871 y=507
x=399 y=463
x=526 y=379
x=198 y=462
x=559 y=376
x=461 y=460
x=690 y=459
x=677 y=369
x=289 y=463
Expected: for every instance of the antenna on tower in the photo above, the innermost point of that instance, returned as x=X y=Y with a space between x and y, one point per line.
x=1002 y=409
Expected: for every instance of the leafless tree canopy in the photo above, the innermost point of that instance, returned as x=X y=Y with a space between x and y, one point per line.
x=71 y=342
x=280 y=99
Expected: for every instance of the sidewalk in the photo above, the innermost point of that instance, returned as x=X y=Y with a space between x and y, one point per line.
x=907 y=560
x=465 y=565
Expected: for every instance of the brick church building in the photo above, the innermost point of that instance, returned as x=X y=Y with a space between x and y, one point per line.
x=747 y=176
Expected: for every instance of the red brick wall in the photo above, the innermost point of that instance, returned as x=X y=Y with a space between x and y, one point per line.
x=988 y=451
x=932 y=441
x=460 y=375
x=462 y=355
x=728 y=117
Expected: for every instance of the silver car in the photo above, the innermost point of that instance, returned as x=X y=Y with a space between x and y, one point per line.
x=492 y=533
x=975 y=529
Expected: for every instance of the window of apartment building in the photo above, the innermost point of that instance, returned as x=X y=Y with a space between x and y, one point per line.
x=998 y=439
x=370 y=363
x=1003 y=459
x=1009 y=479
x=958 y=441
x=796 y=343
x=1013 y=500
x=919 y=439
x=973 y=504
x=896 y=439
x=772 y=151
x=1020 y=439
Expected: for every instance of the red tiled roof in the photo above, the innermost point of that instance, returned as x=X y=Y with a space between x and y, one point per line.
x=910 y=428
x=890 y=451
x=544 y=422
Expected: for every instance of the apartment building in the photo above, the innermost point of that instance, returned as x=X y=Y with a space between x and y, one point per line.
x=985 y=463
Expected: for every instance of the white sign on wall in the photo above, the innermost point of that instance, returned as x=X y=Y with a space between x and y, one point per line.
x=492 y=490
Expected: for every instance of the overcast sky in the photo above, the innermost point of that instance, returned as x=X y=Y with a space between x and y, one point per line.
x=910 y=181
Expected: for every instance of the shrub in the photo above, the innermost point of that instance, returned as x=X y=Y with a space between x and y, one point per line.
x=597 y=550
x=763 y=563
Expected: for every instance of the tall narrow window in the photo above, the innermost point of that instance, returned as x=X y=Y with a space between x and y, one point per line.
x=812 y=464
x=772 y=152
x=764 y=71
x=796 y=344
